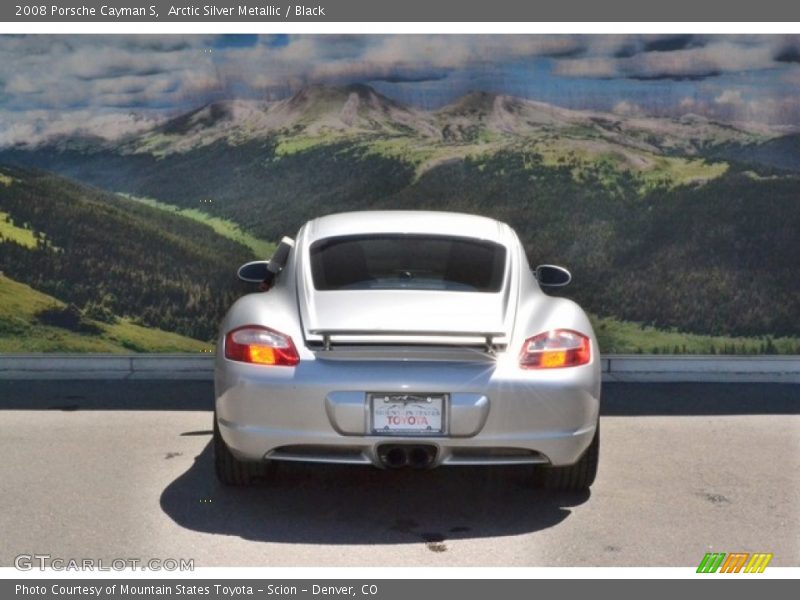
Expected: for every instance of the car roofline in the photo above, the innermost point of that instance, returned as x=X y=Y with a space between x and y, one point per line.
x=407 y=222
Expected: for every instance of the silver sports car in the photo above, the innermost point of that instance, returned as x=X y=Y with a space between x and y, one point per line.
x=406 y=339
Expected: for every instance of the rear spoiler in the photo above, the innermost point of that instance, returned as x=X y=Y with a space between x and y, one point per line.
x=455 y=338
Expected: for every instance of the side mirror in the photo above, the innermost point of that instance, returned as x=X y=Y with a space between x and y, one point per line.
x=264 y=271
x=254 y=272
x=552 y=276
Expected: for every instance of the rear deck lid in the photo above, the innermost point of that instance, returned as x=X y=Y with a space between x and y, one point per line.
x=394 y=288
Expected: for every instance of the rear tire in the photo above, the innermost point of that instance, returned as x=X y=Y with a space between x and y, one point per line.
x=573 y=478
x=229 y=469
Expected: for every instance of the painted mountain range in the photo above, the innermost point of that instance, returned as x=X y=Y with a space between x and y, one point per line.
x=684 y=226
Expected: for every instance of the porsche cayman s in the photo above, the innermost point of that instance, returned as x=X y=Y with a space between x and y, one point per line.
x=406 y=339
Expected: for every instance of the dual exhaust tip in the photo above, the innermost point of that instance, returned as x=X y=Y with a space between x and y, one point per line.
x=399 y=456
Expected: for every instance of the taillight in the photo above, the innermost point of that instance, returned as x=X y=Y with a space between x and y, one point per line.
x=260 y=345
x=554 y=349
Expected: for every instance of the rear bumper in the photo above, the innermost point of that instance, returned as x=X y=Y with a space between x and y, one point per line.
x=318 y=411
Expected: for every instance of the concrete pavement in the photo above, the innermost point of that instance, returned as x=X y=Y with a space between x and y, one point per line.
x=123 y=469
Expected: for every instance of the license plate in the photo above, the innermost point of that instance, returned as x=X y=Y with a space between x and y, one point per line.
x=407 y=413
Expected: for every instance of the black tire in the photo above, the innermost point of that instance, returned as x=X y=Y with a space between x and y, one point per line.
x=573 y=478
x=229 y=469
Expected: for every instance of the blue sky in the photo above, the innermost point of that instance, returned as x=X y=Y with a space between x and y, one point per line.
x=113 y=84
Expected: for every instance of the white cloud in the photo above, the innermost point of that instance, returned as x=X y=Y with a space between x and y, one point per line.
x=734 y=107
x=628 y=109
x=52 y=82
x=37 y=126
x=589 y=67
x=68 y=71
x=319 y=59
x=717 y=57
x=729 y=97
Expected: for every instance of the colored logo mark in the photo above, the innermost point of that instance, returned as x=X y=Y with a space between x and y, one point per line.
x=735 y=562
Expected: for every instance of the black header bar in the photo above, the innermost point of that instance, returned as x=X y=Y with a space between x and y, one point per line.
x=464 y=11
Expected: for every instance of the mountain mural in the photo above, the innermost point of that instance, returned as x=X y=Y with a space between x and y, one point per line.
x=680 y=231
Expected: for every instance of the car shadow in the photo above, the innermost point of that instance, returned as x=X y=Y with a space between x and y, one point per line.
x=344 y=504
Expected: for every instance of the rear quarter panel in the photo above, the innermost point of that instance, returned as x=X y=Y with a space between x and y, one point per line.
x=538 y=312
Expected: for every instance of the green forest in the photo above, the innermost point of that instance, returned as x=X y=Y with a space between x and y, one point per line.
x=111 y=257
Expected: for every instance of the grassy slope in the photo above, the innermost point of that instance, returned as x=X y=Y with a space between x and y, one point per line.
x=21 y=332
x=424 y=154
x=653 y=168
x=262 y=249
x=24 y=237
x=624 y=337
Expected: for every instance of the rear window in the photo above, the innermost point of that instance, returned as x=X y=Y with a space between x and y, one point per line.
x=413 y=262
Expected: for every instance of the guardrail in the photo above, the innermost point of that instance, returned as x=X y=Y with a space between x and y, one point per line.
x=106 y=366
x=622 y=368
x=689 y=368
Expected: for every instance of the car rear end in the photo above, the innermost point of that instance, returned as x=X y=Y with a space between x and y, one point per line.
x=407 y=347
